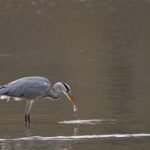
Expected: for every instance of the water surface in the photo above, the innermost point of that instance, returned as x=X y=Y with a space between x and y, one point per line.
x=101 y=49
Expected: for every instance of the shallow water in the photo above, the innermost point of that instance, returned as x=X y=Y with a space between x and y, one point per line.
x=101 y=49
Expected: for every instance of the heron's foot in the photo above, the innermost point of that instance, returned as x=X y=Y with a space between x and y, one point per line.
x=27 y=119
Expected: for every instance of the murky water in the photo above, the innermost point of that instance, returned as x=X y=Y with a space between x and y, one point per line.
x=101 y=49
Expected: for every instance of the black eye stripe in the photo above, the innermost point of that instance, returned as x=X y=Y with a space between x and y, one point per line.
x=66 y=86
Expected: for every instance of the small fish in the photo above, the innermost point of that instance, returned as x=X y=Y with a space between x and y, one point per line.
x=75 y=109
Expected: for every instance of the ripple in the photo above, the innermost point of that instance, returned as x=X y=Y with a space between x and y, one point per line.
x=90 y=121
x=78 y=137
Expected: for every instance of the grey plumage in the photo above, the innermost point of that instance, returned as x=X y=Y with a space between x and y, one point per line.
x=27 y=87
x=33 y=88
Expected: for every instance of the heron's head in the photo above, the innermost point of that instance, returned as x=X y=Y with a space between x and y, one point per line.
x=65 y=89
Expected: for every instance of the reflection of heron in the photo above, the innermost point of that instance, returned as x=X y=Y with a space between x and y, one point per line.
x=33 y=88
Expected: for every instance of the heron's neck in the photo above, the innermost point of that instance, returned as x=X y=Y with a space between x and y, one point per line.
x=54 y=94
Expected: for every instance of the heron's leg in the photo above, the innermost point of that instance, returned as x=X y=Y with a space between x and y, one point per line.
x=28 y=111
x=25 y=115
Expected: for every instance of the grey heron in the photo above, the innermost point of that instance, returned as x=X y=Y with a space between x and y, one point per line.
x=33 y=88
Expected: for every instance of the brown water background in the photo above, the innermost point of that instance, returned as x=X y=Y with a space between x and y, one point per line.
x=100 y=48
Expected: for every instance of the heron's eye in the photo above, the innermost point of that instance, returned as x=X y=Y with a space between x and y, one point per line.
x=67 y=87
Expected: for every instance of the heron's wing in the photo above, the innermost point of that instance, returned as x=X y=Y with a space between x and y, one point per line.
x=28 y=88
x=3 y=89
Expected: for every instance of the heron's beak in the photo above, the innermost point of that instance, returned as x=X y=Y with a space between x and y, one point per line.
x=70 y=98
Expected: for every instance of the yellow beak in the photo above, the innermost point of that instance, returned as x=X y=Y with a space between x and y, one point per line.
x=70 y=98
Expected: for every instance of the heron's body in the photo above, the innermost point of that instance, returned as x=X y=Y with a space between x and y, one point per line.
x=27 y=88
x=33 y=88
